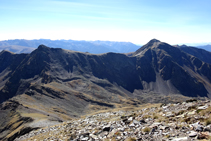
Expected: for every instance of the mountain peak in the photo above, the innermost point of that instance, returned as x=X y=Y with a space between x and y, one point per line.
x=179 y=46
x=183 y=45
x=151 y=44
x=153 y=41
x=42 y=46
x=6 y=51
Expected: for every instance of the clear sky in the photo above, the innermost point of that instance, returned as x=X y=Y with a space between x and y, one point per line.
x=137 y=21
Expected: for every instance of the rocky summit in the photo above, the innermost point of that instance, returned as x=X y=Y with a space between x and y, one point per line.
x=187 y=121
x=52 y=85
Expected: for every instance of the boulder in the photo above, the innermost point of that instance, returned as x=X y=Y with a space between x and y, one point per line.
x=203 y=107
x=193 y=134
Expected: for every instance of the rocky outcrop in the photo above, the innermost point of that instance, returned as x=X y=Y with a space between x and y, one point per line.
x=181 y=121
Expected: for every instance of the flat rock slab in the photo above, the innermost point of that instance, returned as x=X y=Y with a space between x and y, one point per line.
x=181 y=139
x=193 y=134
x=203 y=107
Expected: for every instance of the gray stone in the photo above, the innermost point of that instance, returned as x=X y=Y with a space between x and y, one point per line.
x=203 y=107
x=199 y=128
x=93 y=136
x=111 y=134
x=208 y=129
x=156 y=124
x=101 y=135
x=132 y=125
x=167 y=133
x=106 y=128
x=193 y=134
x=118 y=137
x=142 y=121
x=169 y=114
x=163 y=127
x=181 y=116
x=130 y=119
x=85 y=139
x=121 y=129
x=180 y=139
x=165 y=107
x=135 y=122
x=191 y=113
x=195 y=125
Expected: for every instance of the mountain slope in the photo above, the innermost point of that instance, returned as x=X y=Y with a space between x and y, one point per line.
x=54 y=84
x=156 y=61
x=201 y=54
x=9 y=62
x=173 y=65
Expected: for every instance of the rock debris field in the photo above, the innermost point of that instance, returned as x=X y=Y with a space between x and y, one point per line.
x=187 y=121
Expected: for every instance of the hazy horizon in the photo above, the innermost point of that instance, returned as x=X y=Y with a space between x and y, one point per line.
x=188 y=44
x=136 y=21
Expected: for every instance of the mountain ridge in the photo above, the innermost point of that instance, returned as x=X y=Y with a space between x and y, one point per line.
x=62 y=84
x=202 y=54
x=155 y=53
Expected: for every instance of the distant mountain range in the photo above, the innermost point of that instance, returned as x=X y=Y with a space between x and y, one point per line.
x=96 y=47
x=202 y=47
x=206 y=47
x=51 y=85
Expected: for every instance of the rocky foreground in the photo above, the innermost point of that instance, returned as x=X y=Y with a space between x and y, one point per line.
x=190 y=120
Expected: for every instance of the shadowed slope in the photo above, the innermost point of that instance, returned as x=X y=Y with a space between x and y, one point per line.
x=172 y=64
x=201 y=54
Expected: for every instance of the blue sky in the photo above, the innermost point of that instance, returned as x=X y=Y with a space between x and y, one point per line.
x=137 y=21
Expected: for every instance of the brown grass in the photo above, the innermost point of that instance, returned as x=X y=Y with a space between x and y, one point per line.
x=15 y=131
x=205 y=112
x=33 y=115
x=131 y=139
x=116 y=108
x=146 y=129
x=180 y=112
x=146 y=116
x=207 y=122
